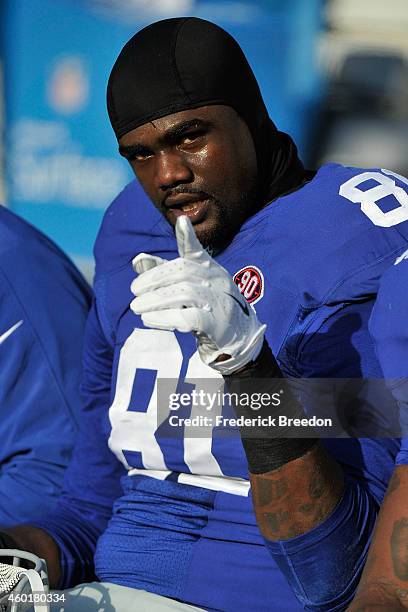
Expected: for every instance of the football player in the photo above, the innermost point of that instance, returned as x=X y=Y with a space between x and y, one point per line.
x=306 y=251
x=44 y=304
x=384 y=584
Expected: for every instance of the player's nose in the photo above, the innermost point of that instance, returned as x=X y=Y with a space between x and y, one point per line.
x=171 y=170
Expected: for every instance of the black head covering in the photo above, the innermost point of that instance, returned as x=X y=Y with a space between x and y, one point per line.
x=178 y=64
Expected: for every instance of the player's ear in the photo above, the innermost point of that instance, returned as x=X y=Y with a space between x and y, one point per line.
x=187 y=242
x=144 y=262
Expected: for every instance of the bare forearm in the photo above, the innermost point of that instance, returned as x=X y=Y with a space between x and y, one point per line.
x=385 y=578
x=37 y=541
x=295 y=483
x=298 y=496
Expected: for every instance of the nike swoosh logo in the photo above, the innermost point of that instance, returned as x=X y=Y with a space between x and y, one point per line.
x=8 y=333
x=401 y=258
x=240 y=304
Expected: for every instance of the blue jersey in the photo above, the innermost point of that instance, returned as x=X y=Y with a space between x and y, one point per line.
x=389 y=328
x=44 y=304
x=183 y=524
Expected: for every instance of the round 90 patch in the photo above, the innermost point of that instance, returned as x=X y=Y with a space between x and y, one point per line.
x=250 y=282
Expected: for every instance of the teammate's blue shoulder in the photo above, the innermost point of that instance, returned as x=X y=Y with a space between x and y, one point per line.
x=21 y=242
x=17 y=236
x=130 y=225
x=13 y=230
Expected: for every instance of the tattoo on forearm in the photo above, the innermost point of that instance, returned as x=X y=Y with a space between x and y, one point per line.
x=276 y=520
x=399 y=548
x=298 y=496
x=269 y=490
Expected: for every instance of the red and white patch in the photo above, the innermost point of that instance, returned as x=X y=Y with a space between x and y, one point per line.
x=250 y=282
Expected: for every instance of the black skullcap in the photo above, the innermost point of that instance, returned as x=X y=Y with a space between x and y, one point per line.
x=183 y=63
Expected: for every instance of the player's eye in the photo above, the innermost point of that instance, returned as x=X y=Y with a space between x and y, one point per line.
x=188 y=139
x=140 y=157
x=191 y=138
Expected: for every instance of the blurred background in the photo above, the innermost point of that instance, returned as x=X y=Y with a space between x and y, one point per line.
x=334 y=74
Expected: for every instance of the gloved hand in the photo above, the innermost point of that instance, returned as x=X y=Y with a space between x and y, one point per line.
x=193 y=293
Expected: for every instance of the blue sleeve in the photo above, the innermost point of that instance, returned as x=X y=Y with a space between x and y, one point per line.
x=44 y=304
x=92 y=481
x=323 y=566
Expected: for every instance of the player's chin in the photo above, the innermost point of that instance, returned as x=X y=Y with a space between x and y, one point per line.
x=211 y=233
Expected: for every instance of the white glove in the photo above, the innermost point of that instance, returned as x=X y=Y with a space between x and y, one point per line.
x=193 y=293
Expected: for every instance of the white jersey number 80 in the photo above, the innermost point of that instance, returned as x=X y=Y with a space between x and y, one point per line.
x=368 y=199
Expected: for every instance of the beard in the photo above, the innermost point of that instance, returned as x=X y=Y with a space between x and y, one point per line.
x=225 y=221
x=228 y=209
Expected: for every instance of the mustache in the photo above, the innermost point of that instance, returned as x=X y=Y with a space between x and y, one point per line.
x=183 y=190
